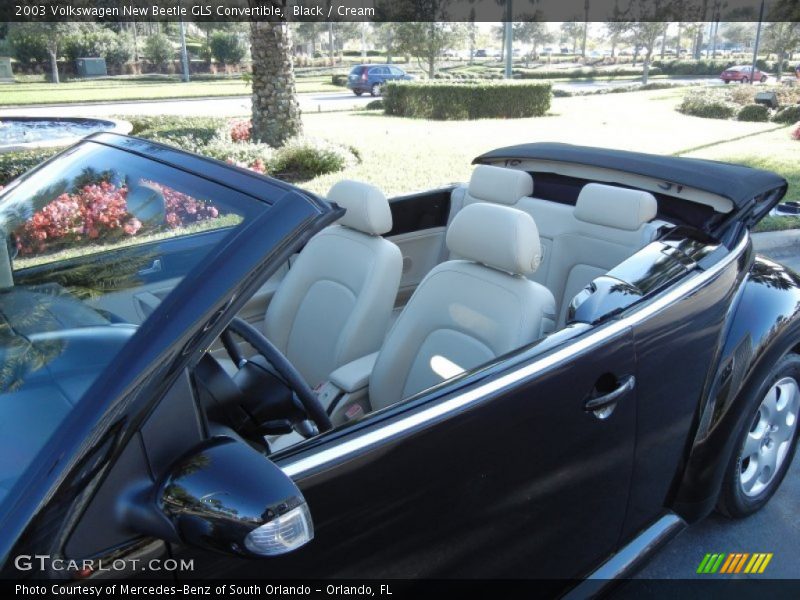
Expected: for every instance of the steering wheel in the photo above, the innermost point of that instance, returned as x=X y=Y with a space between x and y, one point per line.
x=280 y=363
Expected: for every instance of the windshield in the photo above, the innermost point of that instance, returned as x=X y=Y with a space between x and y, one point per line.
x=93 y=242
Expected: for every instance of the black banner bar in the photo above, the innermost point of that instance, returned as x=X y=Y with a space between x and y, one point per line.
x=712 y=587
x=395 y=10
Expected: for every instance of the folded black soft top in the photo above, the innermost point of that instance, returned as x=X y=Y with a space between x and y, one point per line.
x=738 y=183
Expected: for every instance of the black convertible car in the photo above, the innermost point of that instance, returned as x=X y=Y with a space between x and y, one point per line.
x=544 y=373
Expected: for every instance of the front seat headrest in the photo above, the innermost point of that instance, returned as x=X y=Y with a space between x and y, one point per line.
x=499 y=185
x=367 y=208
x=500 y=237
x=617 y=207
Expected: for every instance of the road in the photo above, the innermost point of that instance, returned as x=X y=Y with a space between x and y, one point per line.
x=235 y=106
x=228 y=106
x=776 y=529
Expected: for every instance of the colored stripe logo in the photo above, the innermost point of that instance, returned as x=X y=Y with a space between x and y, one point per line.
x=736 y=562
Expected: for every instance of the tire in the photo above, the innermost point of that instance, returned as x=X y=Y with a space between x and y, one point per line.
x=357 y=92
x=375 y=90
x=745 y=80
x=763 y=79
x=766 y=444
x=727 y=81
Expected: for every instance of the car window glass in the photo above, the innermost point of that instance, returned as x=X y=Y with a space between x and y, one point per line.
x=102 y=237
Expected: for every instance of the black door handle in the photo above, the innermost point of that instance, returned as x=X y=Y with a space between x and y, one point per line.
x=626 y=384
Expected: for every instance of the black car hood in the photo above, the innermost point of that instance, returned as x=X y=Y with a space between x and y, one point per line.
x=738 y=183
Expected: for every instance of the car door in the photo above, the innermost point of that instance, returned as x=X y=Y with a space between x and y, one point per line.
x=507 y=474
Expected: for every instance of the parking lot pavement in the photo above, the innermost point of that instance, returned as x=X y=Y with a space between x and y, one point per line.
x=776 y=528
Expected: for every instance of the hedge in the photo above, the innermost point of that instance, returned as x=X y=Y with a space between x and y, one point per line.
x=753 y=112
x=339 y=80
x=300 y=159
x=14 y=164
x=788 y=115
x=706 y=103
x=469 y=100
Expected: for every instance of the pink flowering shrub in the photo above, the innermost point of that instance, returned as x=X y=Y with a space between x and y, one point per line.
x=182 y=209
x=240 y=131
x=98 y=212
x=796 y=133
x=95 y=212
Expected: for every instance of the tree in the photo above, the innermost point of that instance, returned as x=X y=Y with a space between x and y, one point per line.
x=276 y=113
x=427 y=40
x=49 y=35
x=158 y=49
x=534 y=33
x=472 y=35
x=227 y=47
x=617 y=30
x=646 y=35
x=781 y=37
x=739 y=34
x=386 y=38
x=572 y=31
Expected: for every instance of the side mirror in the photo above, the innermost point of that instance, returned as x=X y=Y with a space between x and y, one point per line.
x=227 y=497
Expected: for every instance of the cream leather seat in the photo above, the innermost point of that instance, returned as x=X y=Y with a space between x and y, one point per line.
x=466 y=312
x=611 y=225
x=334 y=304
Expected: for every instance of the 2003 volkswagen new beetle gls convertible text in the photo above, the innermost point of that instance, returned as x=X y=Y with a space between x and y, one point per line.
x=544 y=373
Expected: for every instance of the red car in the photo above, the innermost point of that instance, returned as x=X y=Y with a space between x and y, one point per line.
x=742 y=73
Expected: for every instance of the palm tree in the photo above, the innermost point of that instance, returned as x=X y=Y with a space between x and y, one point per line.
x=276 y=113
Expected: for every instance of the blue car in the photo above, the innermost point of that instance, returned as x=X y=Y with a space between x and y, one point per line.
x=370 y=78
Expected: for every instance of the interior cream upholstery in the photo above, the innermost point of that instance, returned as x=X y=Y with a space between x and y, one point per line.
x=334 y=304
x=578 y=243
x=498 y=185
x=367 y=207
x=615 y=206
x=466 y=312
x=480 y=235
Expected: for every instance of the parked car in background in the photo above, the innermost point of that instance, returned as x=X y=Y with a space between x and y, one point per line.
x=371 y=78
x=743 y=74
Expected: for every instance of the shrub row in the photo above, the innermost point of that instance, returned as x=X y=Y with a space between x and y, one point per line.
x=753 y=112
x=445 y=101
x=580 y=73
x=725 y=103
x=707 y=104
x=788 y=115
x=300 y=159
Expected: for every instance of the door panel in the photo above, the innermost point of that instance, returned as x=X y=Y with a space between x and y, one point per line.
x=676 y=349
x=421 y=250
x=419 y=226
x=523 y=483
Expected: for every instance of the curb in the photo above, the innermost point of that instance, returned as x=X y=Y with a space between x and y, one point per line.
x=777 y=242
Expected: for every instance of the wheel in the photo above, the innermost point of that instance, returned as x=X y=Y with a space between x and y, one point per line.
x=763 y=79
x=745 y=80
x=357 y=92
x=375 y=90
x=727 y=81
x=766 y=444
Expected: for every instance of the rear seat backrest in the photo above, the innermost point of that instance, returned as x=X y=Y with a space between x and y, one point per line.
x=608 y=225
x=495 y=185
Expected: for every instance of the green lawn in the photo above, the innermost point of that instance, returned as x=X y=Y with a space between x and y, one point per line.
x=105 y=90
x=403 y=155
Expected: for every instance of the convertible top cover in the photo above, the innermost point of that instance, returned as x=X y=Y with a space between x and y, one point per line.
x=738 y=183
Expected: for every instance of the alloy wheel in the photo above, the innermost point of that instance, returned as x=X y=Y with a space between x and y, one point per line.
x=770 y=437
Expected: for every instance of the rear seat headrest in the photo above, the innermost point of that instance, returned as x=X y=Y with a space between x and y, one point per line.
x=613 y=206
x=499 y=185
x=367 y=208
x=497 y=236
